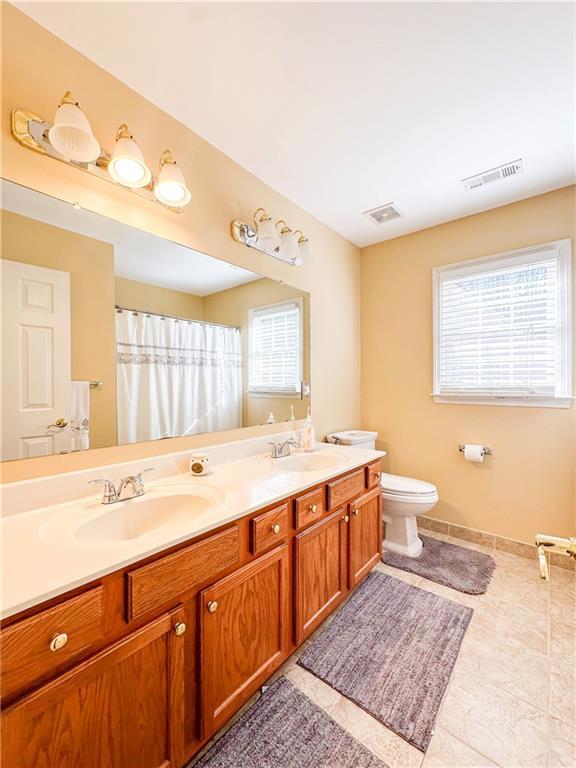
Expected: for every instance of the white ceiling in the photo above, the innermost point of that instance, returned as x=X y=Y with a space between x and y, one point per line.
x=138 y=255
x=343 y=107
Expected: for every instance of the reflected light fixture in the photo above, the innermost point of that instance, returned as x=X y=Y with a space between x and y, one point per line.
x=127 y=165
x=277 y=240
x=288 y=241
x=170 y=187
x=268 y=238
x=71 y=134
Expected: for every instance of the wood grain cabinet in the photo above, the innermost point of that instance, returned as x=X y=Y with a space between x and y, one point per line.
x=244 y=634
x=122 y=707
x=365 y=535
x=320 y=555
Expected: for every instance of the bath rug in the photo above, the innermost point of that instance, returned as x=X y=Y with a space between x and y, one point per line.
x=284 y=729
x=391 y=651
x=457 y=567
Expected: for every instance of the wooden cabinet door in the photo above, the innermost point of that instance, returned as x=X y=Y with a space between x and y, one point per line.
x=365 y=534
x=122 y=708
x=244 y=634
x=320 y=571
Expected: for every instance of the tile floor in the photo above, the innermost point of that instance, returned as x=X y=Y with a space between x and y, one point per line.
x=511 y=701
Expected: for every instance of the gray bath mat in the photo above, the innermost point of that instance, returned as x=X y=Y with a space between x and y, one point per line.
x=458 y=567
x=391 y=650
x=284 y=729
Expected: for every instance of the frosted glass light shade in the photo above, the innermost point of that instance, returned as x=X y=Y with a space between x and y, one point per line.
x=268 y=238
x=71 y=134
x=127 y=165
x=170 y=187
x=305 y=253
x=288 y=245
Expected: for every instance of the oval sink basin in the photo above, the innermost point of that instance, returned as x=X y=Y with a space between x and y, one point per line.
x=308 y=462
x=143 y=516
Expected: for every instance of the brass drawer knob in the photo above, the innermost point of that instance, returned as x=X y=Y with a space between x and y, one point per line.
x=179 y=628
x=377 y=475
x=276 y=528
x=212 y=606
x=346 y=519
x=355 y=512
x=58 y=641
x=313 y=509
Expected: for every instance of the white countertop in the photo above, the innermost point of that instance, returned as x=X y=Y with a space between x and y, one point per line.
x=43 y=558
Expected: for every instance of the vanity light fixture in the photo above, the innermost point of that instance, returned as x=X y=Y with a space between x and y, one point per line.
x=70 y=140
x=127 y=165
x=170 y=187
x=277 y=240
x=71 y=134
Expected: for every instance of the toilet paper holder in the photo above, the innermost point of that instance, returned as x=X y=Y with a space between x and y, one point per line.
x=486 y=450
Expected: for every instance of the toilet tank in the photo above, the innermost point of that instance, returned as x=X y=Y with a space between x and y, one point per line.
x=355 y=438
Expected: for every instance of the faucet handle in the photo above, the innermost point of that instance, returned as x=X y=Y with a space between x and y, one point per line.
x=148 y=469
x=110 y=493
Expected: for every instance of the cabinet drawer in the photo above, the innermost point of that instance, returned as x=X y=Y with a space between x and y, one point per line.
x=39 y=647
x=309 y=508
x=345 y=489
x=155 y=585
x=269 y=528
x=373 y=474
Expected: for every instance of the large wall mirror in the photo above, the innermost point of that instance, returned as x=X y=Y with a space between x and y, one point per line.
x=112 y=335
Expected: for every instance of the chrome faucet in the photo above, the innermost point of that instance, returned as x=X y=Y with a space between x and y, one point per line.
x=543 y=542
x=282 y=449
x=112 y=495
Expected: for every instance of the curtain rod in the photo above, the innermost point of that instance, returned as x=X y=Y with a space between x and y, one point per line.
x=120 y=308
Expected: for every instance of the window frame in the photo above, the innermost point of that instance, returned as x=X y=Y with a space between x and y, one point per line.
x=562 y=250
x=263 y=393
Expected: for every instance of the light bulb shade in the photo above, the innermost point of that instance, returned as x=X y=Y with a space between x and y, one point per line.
x=71 y=135
x=268 y=238
x=170 y=187
x=288 y=245
x=305 y=252
x=127 y=165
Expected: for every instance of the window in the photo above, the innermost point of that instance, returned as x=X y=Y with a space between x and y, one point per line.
x=275 y=350
x=502 y=328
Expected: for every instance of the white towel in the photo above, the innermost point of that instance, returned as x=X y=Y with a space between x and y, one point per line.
x=80 y=416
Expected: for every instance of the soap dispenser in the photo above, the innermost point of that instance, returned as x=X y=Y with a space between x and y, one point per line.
x=308 y=434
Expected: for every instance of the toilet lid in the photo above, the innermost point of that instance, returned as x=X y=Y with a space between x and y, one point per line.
x=398 y=484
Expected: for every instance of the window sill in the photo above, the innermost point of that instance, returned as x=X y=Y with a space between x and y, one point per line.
x=268 y=395
x=526 y=401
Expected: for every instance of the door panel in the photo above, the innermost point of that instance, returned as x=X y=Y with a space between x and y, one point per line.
x=365 y=535
x=244 y=634
x=122 y=707
x=320 y=568
x=36 y=341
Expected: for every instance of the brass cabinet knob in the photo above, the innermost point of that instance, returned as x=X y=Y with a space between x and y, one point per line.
x=276 y=528
x=179 y=628
x=355 y=512
x=378 y=475
x=212 y=606
x=58 y=641
x=313 y=508
x=346 y=519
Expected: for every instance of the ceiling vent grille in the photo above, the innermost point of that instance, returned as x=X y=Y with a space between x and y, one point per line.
x=383 y=213
x=494 y=174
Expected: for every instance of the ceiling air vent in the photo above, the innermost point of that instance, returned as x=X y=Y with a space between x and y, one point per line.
x=383 y=213
x=494 y=174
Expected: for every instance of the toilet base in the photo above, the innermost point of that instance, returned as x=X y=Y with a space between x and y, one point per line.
x=402 y=536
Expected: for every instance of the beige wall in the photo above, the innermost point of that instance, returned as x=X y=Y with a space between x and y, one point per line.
x=231 y=307
x=529 y=484
x=91 y=267
x=153 y=298
x=221 y=191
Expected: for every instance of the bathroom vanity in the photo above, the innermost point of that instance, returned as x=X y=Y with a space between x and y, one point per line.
x=140 y=666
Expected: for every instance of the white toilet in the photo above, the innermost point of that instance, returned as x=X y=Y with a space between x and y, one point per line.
x=403 y=499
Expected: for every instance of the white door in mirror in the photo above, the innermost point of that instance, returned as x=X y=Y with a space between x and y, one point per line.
x=199 y=465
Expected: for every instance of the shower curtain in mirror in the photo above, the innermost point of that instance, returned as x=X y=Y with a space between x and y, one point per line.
x=175 y=377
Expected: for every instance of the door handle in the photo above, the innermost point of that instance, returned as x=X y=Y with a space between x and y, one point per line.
x=60 y=423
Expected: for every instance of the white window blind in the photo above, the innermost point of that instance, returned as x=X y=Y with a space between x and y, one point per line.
x=503 y=326
x=275 y=349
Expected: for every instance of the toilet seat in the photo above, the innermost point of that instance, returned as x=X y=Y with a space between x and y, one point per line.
x=397 y=485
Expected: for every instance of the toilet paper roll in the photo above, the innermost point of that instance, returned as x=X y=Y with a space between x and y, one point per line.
x=474 y=453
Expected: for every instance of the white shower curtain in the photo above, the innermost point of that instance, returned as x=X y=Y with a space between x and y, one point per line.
x=175 y=377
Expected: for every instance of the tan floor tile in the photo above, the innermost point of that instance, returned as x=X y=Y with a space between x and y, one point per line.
x=562 y=580
x=472 y=601
x=563 y=608
x=562 y=745
x=563 y=691
x=516 y=669
x=532 y=593
x=515 y=564
x=397 y=573
x=562 y=643
x=495 y=724
x=511 y=622
x=316 y=690
x=389 y=747
x=446 y=751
